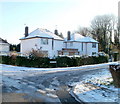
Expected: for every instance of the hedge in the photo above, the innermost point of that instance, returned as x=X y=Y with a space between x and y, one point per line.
x=32 y=61
x=43 y=62
x=64 y=61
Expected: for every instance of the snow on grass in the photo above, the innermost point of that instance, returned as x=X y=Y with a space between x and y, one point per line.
x=90 y=93
x=96 y=88
x=20 y=72
x=18 y=68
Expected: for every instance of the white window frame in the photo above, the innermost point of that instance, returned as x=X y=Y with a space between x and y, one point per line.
x=44 y=41
x=94 y=45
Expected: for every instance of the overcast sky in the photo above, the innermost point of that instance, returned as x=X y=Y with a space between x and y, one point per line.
x=50 y=14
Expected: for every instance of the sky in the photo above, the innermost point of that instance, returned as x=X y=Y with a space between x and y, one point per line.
x=63 y=15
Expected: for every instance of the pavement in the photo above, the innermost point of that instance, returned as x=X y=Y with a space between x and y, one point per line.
x=43 y=87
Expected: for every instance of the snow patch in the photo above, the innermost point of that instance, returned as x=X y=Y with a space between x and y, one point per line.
x=41 y=91
x=52 y=95
x=96 y=88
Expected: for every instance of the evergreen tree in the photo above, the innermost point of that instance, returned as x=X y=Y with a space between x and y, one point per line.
x=14 y=47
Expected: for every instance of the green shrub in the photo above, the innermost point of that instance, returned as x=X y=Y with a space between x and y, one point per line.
x=64 y=62
x=22 y=61
x=77 y=61
x=32 y=61
x=41 y=62
x=44 y=62
x=102 y=59
x=6 y=59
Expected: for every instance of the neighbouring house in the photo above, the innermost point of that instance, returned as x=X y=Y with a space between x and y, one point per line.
x=76 y=44
x=42 y=39
x=4 y=47
x=53 y=45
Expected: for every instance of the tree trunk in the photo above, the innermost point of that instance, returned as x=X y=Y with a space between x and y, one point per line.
x=115 y=72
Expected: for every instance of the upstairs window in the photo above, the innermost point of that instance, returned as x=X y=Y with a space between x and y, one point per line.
x=44 y=41
x=93 y=45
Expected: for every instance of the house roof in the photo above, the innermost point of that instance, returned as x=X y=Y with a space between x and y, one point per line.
x=80 y=38
x=3 y=41
x=42 y=33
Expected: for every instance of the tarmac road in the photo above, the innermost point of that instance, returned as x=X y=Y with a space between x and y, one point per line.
x=44 y=87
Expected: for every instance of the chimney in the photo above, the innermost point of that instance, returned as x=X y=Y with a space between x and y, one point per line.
x=26 y=31
x=68 y=35
x=56 y=32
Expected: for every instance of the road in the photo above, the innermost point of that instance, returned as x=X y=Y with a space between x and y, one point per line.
x=44 y=87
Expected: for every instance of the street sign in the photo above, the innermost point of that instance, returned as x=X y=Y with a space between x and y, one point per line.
x=53 y=62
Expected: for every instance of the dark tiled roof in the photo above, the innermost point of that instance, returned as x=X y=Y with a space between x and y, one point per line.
x=3 y=41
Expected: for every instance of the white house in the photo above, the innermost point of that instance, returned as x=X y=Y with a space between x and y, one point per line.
x=53 y=45
x=4 y=47
x=42 y=39
x=76 y=44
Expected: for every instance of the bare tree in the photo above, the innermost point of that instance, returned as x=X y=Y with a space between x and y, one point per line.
x=85 y=31
x=37 y=52
x=102 y=27
x=117 y=36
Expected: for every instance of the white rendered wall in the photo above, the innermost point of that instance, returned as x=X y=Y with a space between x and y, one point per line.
x=84 y=51
x=4 y=47
x=73 y=45
x=87 y=47
x=28 y=44
x=58 y=45
x=77 y=45
x=91 y=49
x=47 y=47
x=35 y=43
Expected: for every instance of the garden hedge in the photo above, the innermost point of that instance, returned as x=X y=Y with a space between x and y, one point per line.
x=45 y=62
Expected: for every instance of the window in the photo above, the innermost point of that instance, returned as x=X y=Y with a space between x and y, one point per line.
x=44 y=41
x=93 y=45
x=93 y=53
